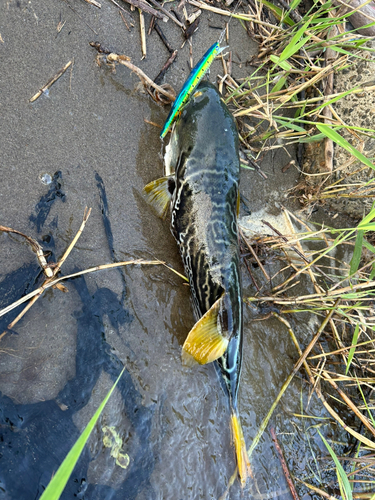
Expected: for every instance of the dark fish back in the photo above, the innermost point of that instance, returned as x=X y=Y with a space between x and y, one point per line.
x=204 y=218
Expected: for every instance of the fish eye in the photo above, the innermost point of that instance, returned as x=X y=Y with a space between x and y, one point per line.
x=171 y=185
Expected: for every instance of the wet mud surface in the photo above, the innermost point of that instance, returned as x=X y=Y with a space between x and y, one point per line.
x=57 y=364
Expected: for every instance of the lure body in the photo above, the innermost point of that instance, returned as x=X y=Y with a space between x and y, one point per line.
x=203 y=196
x=196 y=75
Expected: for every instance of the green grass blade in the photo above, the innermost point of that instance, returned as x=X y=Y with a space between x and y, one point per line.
x=367 y=219
x=354 y=263
x=283 y=64
x=294 y=4
x=341 y=486
x=278 y=13
x=352 y=349
x=364 y=400
x=313 y=138
x=332 y=134
x=372 y=274
x=59 y=480
x=292 y=126
x=369 y=247
x=280 y=84
x=340 y=471
x=296 y=42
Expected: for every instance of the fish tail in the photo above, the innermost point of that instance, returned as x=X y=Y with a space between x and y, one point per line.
x=243 y=462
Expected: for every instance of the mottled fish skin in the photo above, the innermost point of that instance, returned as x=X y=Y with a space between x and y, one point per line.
x=204 y=217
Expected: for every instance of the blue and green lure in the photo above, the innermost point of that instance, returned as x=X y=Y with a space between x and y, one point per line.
x=196 y=75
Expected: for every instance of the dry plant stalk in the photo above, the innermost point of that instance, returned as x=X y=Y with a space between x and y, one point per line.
x=352 y=310
x=51 y=82
x=143 y=6
x=51 y=270
x=147 y=82
x=143 y=34
x=94 y=3
x=284 y=465
x=35 y=247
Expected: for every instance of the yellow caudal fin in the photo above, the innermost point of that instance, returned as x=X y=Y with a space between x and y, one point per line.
x=205 y=342
x=243 y=462
x=158 y=195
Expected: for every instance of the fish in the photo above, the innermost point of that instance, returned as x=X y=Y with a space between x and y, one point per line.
x=196 y=75
x=203 y=196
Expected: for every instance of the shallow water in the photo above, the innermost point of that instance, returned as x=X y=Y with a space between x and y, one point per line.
x=60 y=360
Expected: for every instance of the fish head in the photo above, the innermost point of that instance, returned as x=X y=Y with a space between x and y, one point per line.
x=204 y=123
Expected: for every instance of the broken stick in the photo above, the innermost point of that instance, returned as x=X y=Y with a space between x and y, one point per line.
x=51 y=82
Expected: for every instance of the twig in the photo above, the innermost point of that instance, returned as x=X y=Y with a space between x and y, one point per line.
x=143 y=6
x=35 y=247
x=176 y=15
x=191 y=29
x=80 y=17
x=60 y=26
x=166 y=12
x=143 y=34
x=145 y=79
x=257 y=167
x=51 y=270
x=255 y=256
x=170 y=60
x=284 y=465
x=124 y=20
x=163 y=38
x=50 y=284
x=317 y=490
x=94 y=3
x=86 y=215
x=347 y=400
x=245 y=17
x=190 y=19
x=153 y=123
x=247 y=265
x=330 y=56
x=151 y=25
x=51 y=82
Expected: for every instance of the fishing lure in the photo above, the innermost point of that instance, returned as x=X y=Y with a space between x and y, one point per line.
x=196 y=75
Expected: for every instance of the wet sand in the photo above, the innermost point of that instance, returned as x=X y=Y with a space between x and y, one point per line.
x=92 y=122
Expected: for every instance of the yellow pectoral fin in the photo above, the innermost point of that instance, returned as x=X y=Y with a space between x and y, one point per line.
x=206 y=342
x=158 y=195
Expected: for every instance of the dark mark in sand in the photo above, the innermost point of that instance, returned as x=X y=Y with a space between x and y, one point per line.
x=43 y=208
